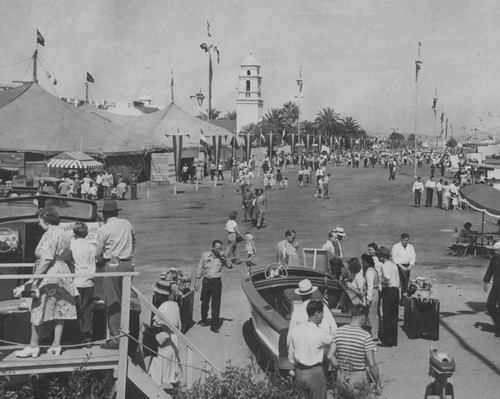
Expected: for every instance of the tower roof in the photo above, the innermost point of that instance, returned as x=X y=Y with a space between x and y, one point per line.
x=250 y=60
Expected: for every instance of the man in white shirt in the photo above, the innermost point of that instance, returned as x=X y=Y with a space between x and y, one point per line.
x=307 y=349
x=439 y=192
x=403 y=255
x=389 y=299
x=299 y=315
x=430 y=185
x=330 y=249
x=418 y=188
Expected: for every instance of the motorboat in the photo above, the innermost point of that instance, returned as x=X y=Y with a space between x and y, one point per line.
x=271 y=296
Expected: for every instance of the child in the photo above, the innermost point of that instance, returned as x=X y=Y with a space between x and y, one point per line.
x=83 y=254
x=285 y=183
x=250 y=247
x=272 y=182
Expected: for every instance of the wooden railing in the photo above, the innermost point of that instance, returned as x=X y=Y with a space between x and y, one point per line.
x=123 y=364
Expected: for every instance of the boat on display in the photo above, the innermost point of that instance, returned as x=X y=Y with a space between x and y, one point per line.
x=271 y=297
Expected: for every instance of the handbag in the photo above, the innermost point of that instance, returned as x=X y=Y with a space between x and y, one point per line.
x=149 y=342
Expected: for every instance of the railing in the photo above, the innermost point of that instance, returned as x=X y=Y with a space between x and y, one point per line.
x=127 y=287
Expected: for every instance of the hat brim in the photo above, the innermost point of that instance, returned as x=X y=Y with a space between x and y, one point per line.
x=340 y=234
x=109 y=210
x=160 y=290
x=298 y=292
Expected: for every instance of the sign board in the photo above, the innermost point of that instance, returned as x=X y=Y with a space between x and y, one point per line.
x=92 y=226
x=315 y=258
x=11 y=160
x=162 y=168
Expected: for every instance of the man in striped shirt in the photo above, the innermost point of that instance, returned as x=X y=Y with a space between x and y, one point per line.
x=354 y=354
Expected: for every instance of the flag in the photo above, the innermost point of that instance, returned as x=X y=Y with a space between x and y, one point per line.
x=441 y=120
x=217 y=144
x=270 y=144
x=299 y=80
x=177 y=142
x=418 y=66
x=419 y=49
x=248 y=145
x=308 y=143
x=208 y=29
x=39 y=38
x=203 y=139
x=292 y=144
x=234 y=143
x=331 y=142
x=434 y=104
x=446 y=130
x=90 y=78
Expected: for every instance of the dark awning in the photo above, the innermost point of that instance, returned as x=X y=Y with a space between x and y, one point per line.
x=483 y=198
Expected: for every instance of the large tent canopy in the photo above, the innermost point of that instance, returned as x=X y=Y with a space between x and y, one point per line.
x=74 y=160
x=483 y=198
x=32 y=120
x=157 y=128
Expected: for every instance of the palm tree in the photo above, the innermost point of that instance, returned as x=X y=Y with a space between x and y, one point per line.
x=290 y=113
x=231 y=115
x=327 y=121
x=351 y=127
x=307 y=127
x=214 y=114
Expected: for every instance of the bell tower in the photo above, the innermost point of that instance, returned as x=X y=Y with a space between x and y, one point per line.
x=249 y=106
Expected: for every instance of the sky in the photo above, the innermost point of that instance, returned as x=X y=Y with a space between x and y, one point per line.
x=357 y=57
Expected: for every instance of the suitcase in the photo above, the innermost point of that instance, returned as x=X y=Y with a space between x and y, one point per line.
x=421 y=318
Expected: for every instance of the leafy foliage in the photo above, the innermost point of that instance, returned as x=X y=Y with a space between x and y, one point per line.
x=213 y=114
x=231 y=115
x=245 y=383
x=452 y=143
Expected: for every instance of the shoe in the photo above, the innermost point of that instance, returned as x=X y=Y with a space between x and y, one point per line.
x=203 y=323
x=88 y=342
x=237 y=262
x=54 y=350
x=109 y=345
x=29 y=351
x=215 y=330
x=383 y=345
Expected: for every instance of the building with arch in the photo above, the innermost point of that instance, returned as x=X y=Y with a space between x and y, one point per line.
x=249 y=106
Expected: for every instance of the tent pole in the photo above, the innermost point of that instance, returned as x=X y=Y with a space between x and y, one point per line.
x=482 y=224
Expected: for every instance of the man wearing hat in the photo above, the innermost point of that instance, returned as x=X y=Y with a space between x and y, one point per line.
x=389 y=298
x=493 y=302
x=115 y=249
x=339 y=235
x=260 y=208
x=299 y=315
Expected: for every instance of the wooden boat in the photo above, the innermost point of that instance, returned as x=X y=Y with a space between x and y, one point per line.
x=271 y=297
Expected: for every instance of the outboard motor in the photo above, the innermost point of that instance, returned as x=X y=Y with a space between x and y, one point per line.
x=441 y=367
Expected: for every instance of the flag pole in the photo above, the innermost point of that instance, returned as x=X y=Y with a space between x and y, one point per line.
x=434 y=106
x=86 y=92
x=417 y=68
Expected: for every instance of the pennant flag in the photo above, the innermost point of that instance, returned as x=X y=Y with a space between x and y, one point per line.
x=331 y=142
x=39 y=38
x=90 y=78
x=446 y=129
x=177 y=142
x=418 y=66
x=283 y=135
x=441 y=120
x=308 y=143
x=234 y=145
x=434 y=104
x=208 y=29
x=419 y=49
x=203 y=140
x=270 y=145
x=248 y=146
x=292 y=143
x=299 y=80
x=217 y=144
x=320 y=141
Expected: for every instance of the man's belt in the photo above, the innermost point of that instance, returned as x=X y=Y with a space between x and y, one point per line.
x=301 y=366
x=207 y=279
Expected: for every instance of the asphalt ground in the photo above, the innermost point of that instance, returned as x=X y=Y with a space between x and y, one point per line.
x=173 y=231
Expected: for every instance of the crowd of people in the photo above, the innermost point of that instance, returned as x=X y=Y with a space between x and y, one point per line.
x=92 y=186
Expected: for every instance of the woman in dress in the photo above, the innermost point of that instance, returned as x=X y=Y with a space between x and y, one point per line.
x=56 y=302
x=372 y=292
x=165 y=368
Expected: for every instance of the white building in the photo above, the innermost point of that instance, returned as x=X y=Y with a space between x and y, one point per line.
x=249 y=106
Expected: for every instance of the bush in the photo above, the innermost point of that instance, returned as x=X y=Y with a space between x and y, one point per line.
x=80 y=384
x=244 y=383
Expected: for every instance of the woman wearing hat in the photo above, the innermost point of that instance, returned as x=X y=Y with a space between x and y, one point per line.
x=165 y=368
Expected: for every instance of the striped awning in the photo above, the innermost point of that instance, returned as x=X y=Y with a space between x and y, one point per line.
x=74 y=160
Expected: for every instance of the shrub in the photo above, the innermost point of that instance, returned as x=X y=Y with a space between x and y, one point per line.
x=244 y=383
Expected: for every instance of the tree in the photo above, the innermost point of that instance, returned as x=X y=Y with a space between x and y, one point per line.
x=350 y=127
x=452 y=143
x=231 y=115
x=395 y=136
x=254 y=130
x=327 y=121
x=214 y=114
x=273 y=121
x=306 y=128
x=290 y=112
